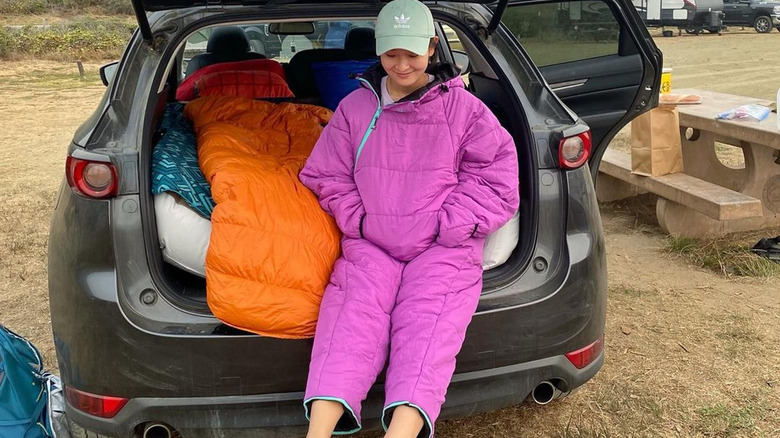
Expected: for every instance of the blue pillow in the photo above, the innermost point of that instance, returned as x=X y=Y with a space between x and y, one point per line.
x=335 y=79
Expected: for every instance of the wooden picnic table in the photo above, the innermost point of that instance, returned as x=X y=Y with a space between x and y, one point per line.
x=710 y=197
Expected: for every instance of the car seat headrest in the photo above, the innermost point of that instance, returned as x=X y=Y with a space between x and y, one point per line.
x=360 y=42
x=228 y=40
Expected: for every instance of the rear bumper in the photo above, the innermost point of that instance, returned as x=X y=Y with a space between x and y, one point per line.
x=281 y=415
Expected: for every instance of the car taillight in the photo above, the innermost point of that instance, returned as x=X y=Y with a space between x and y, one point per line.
x=98 y=405
x=574 y=151
x=93 y=179
x=585 y=356
x=691 y=3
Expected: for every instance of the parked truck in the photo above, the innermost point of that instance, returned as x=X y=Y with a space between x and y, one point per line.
x=761 y=15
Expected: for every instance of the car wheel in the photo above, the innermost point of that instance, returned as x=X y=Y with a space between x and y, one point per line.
x=763 y=24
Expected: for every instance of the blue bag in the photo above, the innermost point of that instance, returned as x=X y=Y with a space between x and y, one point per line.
x=23 y=394
x=336 y=79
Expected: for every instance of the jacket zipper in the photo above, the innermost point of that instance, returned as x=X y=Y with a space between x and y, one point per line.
x=372 y=125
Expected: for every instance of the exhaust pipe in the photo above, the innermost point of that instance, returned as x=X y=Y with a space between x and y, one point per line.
x=157 y=430
x=545 y=392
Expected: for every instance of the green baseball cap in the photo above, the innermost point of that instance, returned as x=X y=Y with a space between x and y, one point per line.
x=404 y=24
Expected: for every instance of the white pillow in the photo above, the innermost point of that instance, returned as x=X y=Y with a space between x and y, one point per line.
x=499 y=245
x=184 y=234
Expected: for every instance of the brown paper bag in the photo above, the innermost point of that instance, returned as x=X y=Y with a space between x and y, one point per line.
x=655 y=142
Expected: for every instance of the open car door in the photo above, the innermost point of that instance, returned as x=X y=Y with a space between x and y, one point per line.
x=596 y=56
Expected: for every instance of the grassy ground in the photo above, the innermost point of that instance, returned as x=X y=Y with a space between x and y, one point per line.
x=42 y=104
x=728 y=256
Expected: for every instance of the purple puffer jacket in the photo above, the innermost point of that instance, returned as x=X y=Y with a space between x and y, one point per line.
x=437 y=167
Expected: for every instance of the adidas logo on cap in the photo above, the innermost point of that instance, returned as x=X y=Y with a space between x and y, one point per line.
x=401 y=22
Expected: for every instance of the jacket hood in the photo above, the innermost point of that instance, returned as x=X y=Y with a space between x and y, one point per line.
x=445 y=76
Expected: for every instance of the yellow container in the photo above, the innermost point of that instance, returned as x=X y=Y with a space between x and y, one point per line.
x=666 y=81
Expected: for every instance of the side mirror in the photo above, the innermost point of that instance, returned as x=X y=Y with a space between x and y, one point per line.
x=461 y=61
x=108 y=71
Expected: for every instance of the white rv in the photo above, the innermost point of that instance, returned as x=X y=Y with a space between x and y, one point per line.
x=691 y=15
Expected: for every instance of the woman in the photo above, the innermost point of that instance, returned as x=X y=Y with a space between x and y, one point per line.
x=417 y=172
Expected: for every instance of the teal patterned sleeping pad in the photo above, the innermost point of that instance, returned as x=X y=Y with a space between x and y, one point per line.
x=175 y=162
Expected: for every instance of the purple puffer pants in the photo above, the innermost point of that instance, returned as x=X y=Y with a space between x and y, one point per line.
x=437 y=175
x=410 y=312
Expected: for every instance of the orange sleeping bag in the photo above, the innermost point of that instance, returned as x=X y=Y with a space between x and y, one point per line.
x=272 y=247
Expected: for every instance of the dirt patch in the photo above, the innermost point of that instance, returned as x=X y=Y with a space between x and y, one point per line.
x=689 y=352
x=737 y=62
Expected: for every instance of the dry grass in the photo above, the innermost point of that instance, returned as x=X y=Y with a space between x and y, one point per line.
x=64 y=79
x=43 y=77
x=729 y=256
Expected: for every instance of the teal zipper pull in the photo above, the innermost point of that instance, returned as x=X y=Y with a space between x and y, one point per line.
x=371 y=125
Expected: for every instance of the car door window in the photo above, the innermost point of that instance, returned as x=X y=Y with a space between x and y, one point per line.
x=589 y=59
x=559 y=32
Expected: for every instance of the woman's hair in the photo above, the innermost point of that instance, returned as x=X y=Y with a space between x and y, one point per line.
x=432 y=45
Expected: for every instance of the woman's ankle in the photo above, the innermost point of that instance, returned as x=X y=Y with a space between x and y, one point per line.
x=323 y=418
x=405 y=423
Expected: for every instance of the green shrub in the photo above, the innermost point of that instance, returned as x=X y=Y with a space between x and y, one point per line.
x=118 y=7
x=83 y=39
x=6 y=43
x=23 y=6
x=105 y=7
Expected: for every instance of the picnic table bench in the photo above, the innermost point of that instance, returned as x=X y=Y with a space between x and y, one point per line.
x=709 y=198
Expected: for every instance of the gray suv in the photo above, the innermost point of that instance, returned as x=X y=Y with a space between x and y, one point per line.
x=139 y=351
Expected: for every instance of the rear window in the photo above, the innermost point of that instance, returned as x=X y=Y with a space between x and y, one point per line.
x=326 y=35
